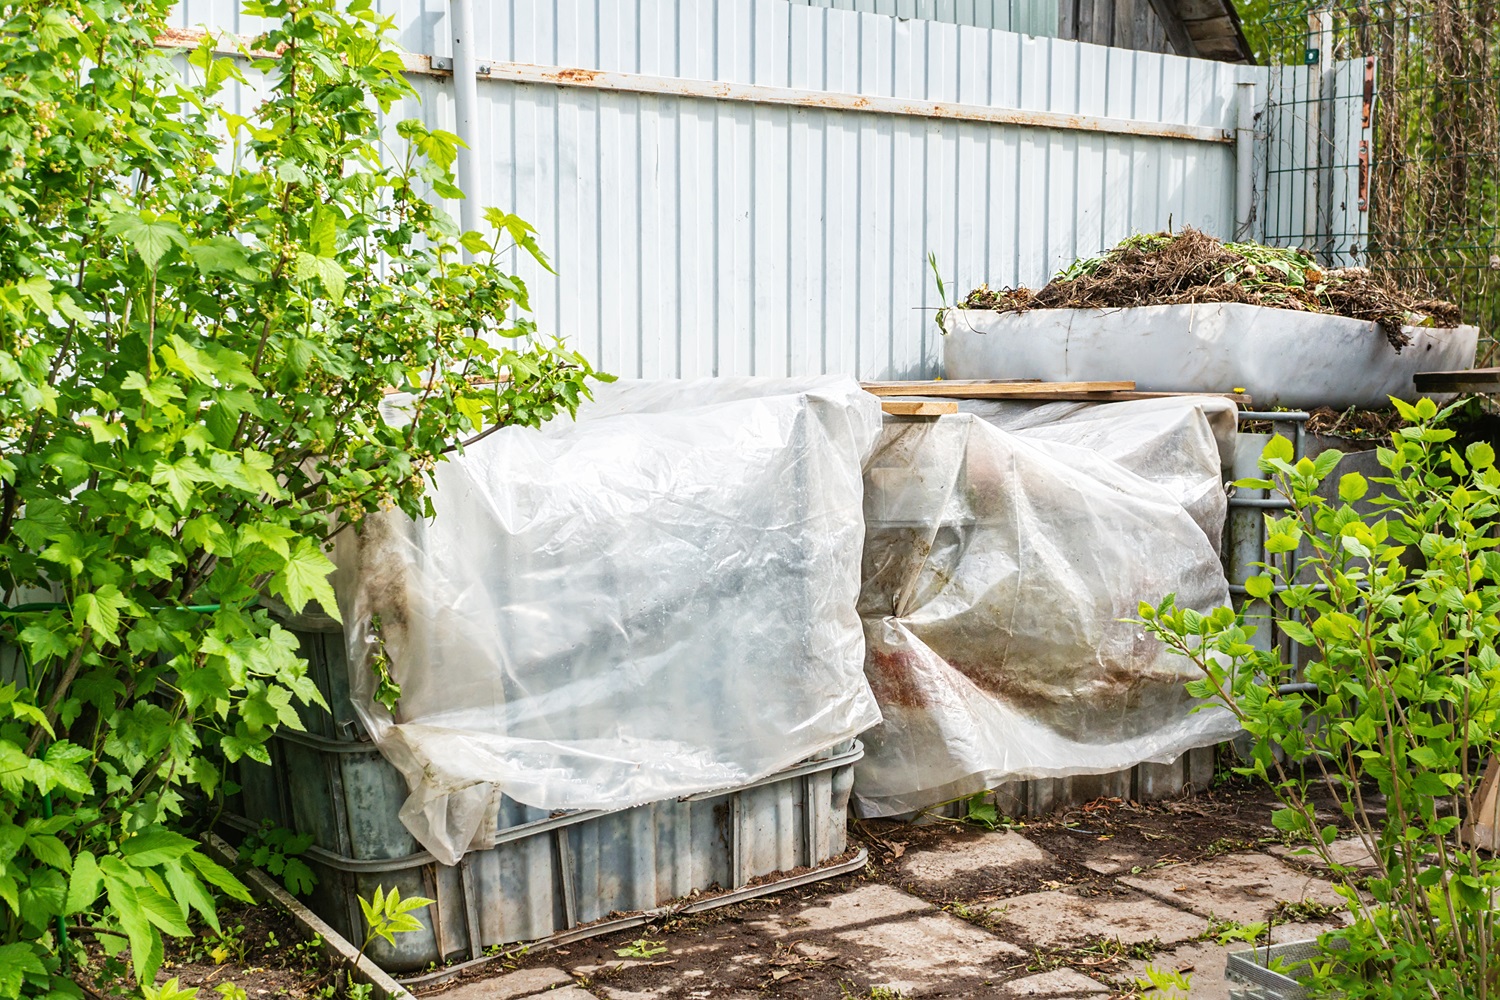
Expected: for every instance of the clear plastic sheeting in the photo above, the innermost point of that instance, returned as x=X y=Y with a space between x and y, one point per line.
x=654 y=601
x=1004 y=547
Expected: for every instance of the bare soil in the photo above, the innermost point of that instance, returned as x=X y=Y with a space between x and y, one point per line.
x=262 y=951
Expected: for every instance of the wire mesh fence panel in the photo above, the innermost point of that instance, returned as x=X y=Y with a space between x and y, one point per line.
x=1383 y=127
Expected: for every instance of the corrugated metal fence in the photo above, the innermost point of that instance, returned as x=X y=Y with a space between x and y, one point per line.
x=754 y=186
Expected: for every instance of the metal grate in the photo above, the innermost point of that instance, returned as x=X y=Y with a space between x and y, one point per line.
x=1384 y=126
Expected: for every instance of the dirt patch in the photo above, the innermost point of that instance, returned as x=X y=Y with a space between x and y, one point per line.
x=262 y=951
x=1191 y=267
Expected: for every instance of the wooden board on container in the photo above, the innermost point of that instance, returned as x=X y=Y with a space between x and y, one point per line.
x=1482 y=829
x=1472 y=380
x=967 y=389
x=1083 y=392
x=918 y=408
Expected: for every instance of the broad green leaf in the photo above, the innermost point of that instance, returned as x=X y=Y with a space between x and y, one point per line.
x=325 y=270
x=222 y=255
x=219 y=877
x=155 y=846
x=1352 y=487
x=304 y=578
x=147 y=235
x=84 y=885
x=17 y=961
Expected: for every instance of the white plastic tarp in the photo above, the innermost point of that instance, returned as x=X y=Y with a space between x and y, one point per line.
x=654 y=601
x=1004 y=547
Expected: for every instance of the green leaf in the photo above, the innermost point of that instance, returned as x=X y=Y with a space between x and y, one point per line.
x=147 y=235
x=304 y=578
x=187 y=890
x=155 y=846
x=323 y=269
x=1259 y=587
x=100 y=610
x=221 y=255
x=1279 y=448
x=84 y=886
x=1352 y=487
x=322 y=237
x=50 y=851
x=219 y=877
x=1297 y=632
x=17 y=961
x=163 y=911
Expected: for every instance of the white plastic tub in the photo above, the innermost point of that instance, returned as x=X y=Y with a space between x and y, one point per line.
x=1279 y=356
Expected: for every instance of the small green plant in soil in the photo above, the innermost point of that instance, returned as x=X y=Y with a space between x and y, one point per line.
x=277 y=850
x=1163 y=984
x=1230 y=931
x=642 y=948
x=1397 y=614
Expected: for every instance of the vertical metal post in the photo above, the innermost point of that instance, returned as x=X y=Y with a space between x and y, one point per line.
x=1317 y=220
x=1244 y=161
x=466 y=113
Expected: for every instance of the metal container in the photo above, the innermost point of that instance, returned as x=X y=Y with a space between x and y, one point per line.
x=1281 y=357
x=549 y=877
x=1251 y=978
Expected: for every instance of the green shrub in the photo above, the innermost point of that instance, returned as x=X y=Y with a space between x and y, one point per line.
x=1397 y=613
x=198 y=338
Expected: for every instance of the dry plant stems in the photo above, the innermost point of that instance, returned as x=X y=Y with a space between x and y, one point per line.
x=1392 y=594
x=1191 y=266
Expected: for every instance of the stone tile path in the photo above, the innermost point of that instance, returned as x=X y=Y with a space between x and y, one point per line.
x=941 y=920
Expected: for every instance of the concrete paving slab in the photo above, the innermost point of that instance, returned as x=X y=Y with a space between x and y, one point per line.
x=1350 y=851
x=1241 y=887
x=521 y=983
x=1057 y=983
x=967 y=856
x=864 y=905
x=1061 y=919
x=927 y=951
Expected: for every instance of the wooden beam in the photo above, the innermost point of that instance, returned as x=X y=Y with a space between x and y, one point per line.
x=957 y=389
x=1173 y=28
x=1474 y=380
x=918 y=408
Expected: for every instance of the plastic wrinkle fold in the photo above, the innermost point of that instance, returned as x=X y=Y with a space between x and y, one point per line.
x=653 y=601
x=1005 y=547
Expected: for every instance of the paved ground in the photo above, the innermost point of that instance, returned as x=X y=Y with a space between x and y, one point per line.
x=1075 y=907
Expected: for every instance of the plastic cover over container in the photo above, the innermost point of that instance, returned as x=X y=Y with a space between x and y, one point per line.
x=1005 y=547
x=655 y=601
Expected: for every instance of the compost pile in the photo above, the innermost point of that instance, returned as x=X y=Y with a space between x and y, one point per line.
x=1190 y=266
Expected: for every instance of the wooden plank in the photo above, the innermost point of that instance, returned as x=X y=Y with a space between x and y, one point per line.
x=1118 y=396
x=1472 y=380
x=1172 y=27
x=1483 y=828
x=918 y=408
x=969 y=389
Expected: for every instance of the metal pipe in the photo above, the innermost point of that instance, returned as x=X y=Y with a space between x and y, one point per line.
x=466 y=114
x=1244 y=161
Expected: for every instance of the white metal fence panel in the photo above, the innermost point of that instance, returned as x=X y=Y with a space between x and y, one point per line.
x=789 y=233
x=1031 y=17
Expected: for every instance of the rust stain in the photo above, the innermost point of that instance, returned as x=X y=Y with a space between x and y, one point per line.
x=895 y=677
x=186 y=38
x=575 y=75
